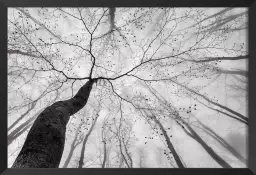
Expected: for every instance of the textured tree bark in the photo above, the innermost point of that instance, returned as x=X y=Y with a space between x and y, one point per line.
x=45 y=141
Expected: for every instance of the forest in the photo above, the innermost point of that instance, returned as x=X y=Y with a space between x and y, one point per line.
x=127 y=87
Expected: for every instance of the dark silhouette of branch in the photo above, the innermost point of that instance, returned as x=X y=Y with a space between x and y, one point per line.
x=11 y=51
x=104 y=146
x=209 y=59
x=234 y=72
x=227 y=114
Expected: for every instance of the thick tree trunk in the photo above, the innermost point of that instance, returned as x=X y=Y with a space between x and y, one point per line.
x=45 y=141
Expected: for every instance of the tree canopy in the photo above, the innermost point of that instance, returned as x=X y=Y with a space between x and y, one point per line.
x=170 y=92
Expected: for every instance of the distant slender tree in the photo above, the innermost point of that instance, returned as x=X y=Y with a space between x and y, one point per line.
x=191 y=133
x=222 y=141
x=81 y=159
x=77 y=140
x=168 y=141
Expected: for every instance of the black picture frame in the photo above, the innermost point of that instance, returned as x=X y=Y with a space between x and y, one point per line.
x=4 y=4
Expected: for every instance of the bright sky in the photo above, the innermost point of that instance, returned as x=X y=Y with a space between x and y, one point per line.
x=76 y=62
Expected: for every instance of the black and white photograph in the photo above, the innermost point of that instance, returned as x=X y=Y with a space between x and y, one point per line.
x=120 y=87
